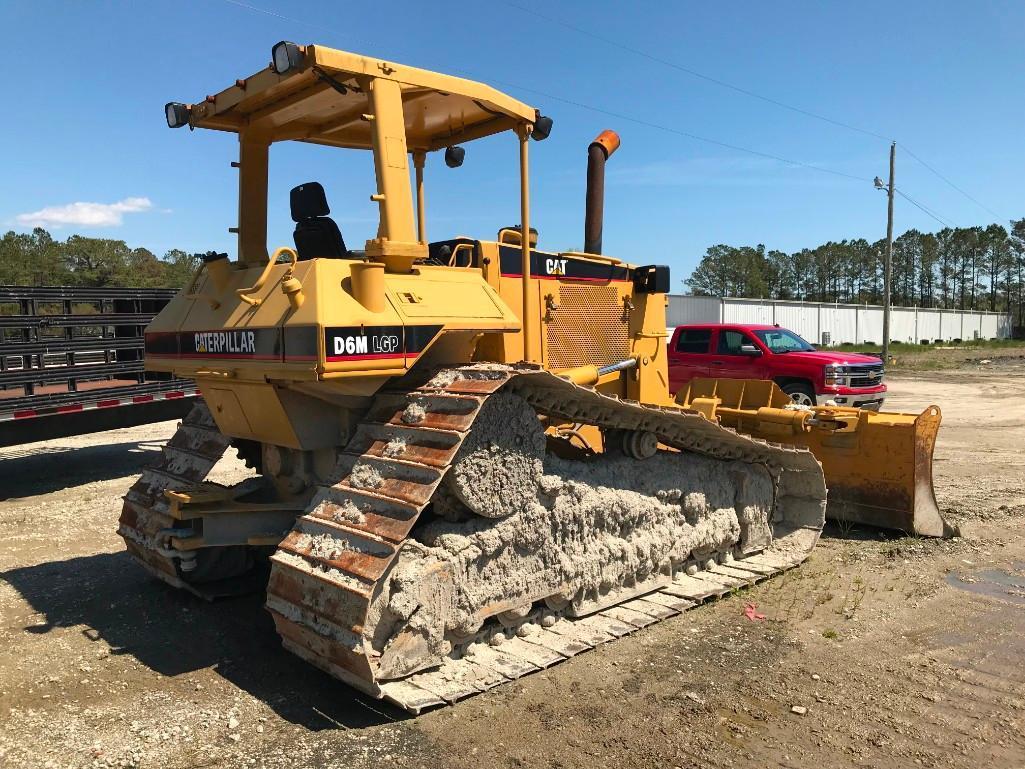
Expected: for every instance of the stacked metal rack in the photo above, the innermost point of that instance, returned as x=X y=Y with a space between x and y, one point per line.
x=71 y=362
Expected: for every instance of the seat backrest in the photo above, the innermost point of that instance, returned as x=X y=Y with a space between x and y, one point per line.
x=316 y=234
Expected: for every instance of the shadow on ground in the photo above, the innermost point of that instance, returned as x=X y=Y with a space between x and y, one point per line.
x=860 y=532
x=173 y=633
x=34 y=470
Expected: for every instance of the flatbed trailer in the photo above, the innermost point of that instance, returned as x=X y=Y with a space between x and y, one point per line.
x=72 y=362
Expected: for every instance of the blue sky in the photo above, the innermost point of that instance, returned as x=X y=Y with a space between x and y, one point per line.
x=85 y=83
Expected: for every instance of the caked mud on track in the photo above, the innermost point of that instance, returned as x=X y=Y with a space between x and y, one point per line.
x=540 y=557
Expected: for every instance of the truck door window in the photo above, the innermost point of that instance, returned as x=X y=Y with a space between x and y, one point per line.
x=779 y=340
x=694 y=340
x=730 y=341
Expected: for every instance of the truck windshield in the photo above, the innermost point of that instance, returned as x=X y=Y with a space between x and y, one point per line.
x=779 y=340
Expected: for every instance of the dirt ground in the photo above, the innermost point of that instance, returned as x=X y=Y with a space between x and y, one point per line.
x=903 y=652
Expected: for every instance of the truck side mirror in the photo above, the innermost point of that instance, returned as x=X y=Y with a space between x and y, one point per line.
x=749 y=349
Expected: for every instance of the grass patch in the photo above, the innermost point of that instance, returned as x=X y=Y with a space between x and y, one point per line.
x=966 y=344
x=831 y=634
x=938 y=357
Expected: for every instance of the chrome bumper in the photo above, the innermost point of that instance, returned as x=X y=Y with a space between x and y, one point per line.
x=872 y=401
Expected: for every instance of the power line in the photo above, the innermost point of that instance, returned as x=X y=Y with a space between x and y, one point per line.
x=950 y=183
x=741 y=90
x=649 y=124
x=618 y=116
x=292 y=19
x=687 y=134
x=695 y=73
x=925 y=210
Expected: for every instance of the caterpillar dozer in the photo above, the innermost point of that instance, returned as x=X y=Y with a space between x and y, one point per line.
x=468 y=464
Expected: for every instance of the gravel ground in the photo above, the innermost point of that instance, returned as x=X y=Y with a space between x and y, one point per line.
x=881 y=651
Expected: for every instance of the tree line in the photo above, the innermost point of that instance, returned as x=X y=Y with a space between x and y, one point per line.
x=38 y=259
x=967 y=268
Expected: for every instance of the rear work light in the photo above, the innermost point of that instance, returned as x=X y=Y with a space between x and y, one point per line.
x=177 y=114
x=285 y=56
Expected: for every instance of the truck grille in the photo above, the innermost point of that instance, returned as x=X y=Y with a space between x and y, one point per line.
x=866 y=375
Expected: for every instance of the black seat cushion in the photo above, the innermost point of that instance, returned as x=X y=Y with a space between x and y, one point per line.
x=316 y=234
x=319 y=238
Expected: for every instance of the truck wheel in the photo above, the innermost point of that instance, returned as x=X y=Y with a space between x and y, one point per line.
x=800 y=393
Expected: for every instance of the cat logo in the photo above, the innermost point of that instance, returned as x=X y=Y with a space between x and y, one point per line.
x=555 y=266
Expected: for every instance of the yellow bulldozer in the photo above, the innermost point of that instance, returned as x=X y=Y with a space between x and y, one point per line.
x=468 y=465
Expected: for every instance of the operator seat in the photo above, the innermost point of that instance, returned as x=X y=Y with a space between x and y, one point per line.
x=316 y=235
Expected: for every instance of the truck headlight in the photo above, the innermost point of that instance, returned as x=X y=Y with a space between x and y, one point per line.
x=836 y=374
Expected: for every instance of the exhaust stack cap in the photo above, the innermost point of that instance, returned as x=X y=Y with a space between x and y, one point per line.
x=609 y=141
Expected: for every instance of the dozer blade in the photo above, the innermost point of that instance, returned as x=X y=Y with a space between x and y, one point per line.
x=878 y=465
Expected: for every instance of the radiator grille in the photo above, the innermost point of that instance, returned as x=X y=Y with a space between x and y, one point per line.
x=589 y=327
x=868 y=375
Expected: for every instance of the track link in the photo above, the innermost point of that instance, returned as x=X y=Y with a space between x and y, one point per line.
x=539 y=645
x=320 y=600
x=326 y=571
x=186 y=460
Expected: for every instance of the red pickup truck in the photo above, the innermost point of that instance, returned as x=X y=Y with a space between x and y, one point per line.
x=747 y=351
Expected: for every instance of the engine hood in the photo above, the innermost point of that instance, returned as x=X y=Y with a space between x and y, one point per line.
x=821 y=358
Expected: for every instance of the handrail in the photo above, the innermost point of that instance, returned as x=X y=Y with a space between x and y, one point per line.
x=519 y=236
x=461 y=247
x=243 y=293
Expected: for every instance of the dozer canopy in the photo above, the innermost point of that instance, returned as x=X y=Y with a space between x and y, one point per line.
x=322 y=95
x=339 y=99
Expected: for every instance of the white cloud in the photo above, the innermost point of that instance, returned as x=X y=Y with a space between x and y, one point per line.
x=85 y=214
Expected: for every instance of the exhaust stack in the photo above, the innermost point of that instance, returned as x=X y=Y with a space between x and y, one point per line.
x=597 y=153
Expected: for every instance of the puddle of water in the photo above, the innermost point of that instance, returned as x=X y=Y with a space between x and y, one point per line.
x=994 y=583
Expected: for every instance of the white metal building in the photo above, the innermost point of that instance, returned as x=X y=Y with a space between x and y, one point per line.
x=827 y=323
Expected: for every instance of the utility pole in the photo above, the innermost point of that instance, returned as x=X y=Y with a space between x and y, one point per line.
x=888 y=264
